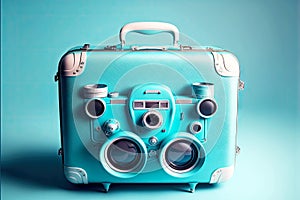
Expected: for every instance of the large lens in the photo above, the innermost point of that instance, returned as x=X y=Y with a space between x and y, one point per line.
x=207 y=107
x=95 y=108
x=124 y=155
x=181 y=155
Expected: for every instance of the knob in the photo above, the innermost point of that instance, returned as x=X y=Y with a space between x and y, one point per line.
x=111 y=126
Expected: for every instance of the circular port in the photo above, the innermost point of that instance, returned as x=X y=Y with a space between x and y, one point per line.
x=95 y=108
x=206 y=108
x=152 y=119
x=123 y=155
x=182 y=156
x=195 y=127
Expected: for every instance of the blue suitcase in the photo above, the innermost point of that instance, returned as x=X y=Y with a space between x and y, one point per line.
x=148 y=114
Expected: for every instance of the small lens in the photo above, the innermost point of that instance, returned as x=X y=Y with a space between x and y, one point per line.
x=207 y=107
x=181 y=155
x=95 y=108
x=124 y=155
x=196 y=128
x=152 y=119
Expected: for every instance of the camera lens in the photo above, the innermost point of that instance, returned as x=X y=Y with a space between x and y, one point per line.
x=196 y=128
x=152 y=119
x=95 y=108
x=181 y=155
x=207 y=108
x=124 y=155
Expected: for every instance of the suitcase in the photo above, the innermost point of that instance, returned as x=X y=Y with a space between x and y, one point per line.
x=148 y=114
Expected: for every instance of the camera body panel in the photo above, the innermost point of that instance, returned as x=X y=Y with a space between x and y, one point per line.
x=172 y=113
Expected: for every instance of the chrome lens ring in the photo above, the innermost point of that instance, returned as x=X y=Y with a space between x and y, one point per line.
x=152 y=119
x=182 y=156
x=124 y=155
x=95 y=108
x=207 y=107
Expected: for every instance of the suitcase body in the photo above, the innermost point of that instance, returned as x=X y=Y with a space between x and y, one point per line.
x=148 y=114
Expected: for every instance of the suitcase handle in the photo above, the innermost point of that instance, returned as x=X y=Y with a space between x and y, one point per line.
x=149 y=28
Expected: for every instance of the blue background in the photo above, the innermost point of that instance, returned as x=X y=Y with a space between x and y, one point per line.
x=263 y=34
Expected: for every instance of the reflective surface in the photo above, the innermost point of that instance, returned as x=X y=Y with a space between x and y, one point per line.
x=181 y=155
x=263 y=35
x=95 y=108
x=123 y=155
x=207 y=107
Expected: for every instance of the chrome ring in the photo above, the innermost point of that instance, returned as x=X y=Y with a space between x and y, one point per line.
x=192 y=166
x=157 y=114
x=87 y=108
x=200 y=102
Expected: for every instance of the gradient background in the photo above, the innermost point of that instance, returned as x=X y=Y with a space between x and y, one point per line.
x=263 y=34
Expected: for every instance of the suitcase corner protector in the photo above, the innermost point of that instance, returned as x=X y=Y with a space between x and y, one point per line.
x=73 y=63
x=76 y=175
x=226 y=64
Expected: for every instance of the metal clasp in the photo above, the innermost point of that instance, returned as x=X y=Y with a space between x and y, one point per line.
x=185 y=47
x=60 y=152
x=113 y=48
x=237 y=150
x=241 y=85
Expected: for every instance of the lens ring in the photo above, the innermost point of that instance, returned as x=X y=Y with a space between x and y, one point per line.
x=195 y=127
x=207 y=107
x=124 y=155
x=182 y=156
x=95 y=108
x=152 y=119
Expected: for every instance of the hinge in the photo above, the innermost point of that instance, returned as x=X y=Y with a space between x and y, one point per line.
x=56 y=77
x=237 y=150
x=60 y=152
x=241 y=85
x=85 y=47
x=114 y=47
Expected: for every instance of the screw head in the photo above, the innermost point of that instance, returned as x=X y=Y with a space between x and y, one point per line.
x=153 y=141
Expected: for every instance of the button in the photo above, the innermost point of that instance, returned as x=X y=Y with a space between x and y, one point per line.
x=153 y=141
x=113 y=94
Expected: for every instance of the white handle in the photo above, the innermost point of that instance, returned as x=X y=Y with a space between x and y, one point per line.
x=149 y=28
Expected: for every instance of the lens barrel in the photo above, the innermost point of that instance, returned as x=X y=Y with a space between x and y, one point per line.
x=95 y=90
x=203 y=89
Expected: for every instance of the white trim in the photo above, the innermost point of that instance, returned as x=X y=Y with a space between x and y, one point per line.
x=226 y=64
x=86 y=108
x=222 y=174
x=76 y=175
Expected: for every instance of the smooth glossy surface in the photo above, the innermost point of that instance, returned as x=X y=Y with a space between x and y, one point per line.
x=263 y=34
